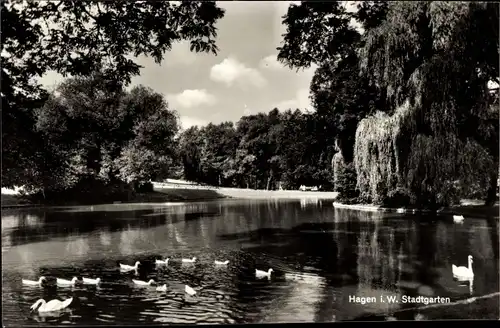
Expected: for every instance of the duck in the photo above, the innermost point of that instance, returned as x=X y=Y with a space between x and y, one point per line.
x=33 y=282
x=458 y=218
x=262 y=274
x=162 y=261
x=53 y=305
x=89 y=281
x=125 y=267
x=189 y=260
x=143 y=283
x=190 y=291
x=221 y=262
x=463 y=272
x=64 y=282
x=162 y=288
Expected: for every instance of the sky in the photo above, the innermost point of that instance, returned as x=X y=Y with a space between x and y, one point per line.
x=243 y=78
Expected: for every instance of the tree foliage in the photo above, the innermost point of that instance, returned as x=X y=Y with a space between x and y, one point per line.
x=323 y=34
x=426 y=66
x=260 y=152
x=434 y=60
x=94 y=131
x=76 y=38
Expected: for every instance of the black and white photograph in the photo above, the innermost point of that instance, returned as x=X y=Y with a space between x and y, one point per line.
x=249 y=162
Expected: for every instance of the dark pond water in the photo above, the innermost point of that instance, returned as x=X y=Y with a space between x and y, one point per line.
x=321 y=256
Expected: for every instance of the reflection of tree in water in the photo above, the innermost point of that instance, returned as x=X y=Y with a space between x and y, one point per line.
x=366 y=257
x=426 y=254
x=305 y=202
x=494 y=232
x=6 y=242
x=77 y=247
x=42 y=226
x=388 y=267
x=105 y=237
x=128 y=239
x=10 y=222
x=486 y=273
x=444 y=244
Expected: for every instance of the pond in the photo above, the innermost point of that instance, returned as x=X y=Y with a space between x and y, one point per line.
x=322 y=257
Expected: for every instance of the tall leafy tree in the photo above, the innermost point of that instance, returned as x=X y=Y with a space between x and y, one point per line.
x=219 y=145
x=100 y=132
x=190 y=144
x=323 y=34
x=435 y=60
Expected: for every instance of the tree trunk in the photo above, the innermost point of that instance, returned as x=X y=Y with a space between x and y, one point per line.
x=491 y=194
x=269 y=182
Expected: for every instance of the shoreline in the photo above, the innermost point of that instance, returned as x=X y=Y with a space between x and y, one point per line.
x=171 y=193
x=182 y=194
x=467 y=207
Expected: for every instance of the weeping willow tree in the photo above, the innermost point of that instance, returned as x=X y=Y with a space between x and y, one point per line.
x=439 y=139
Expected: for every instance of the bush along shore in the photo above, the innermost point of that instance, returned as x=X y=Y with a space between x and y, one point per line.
x=467 y=208
x=108 y=194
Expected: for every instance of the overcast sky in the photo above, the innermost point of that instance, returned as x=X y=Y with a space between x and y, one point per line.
x=244 y=78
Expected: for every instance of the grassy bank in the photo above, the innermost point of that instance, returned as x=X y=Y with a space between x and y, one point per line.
x=157 y=196
x=176 y=193
x=274 y=194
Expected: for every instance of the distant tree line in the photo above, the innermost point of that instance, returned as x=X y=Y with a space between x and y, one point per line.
x=262 y=151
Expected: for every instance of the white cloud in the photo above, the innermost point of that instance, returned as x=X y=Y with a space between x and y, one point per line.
x=188 y=121
x=231 y=71
x=301 y=101
x=270 y=62
x=192 y=98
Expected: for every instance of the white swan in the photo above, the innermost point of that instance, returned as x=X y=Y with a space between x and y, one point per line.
x=262 y=274
x=64 y=282
x=34 y=283
x=189 y=260
x=162 y=288
x=125 y=267
x=458 y=218
x=463 y=272
x=162 y=261
x=190 y=291
x=143 y=283
x=221 y=262
x=89 y=281
x=53 y=305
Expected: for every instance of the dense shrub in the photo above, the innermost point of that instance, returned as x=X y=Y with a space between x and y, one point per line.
x=87 y=190
x=345 y=183
x=397 y=198
x=144 y=187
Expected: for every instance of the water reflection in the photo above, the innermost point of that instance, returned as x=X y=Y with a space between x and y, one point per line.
x=304 y=202
x=320 y=256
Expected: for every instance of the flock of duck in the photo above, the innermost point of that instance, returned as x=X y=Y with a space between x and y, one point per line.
x=460 y=273
x=57 y=305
